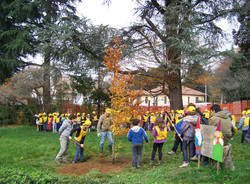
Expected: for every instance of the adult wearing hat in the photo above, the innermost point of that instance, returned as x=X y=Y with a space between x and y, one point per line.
x=103 y=130
x=227 y=129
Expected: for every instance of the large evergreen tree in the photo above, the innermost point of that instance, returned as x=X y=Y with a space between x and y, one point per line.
x=174 y=33
x=16 y=39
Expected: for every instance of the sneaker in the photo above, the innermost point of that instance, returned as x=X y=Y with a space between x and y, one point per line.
x=66 y=161
x=159 y=162
x=185 y=164
x=74 y=162
x=171 y=152
x=138 y=166
x=151 y=162
x=233 y=168
x=57 y=161
x=194 y=158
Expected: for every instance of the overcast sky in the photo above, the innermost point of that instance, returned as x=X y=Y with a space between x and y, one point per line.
x=120 y=13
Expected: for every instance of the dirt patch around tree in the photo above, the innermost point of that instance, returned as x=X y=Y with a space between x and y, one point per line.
x=102 y=164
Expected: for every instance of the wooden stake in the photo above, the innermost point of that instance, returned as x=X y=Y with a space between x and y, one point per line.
x=218 y=167
x=199 y=161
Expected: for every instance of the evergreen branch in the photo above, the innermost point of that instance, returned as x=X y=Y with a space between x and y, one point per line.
x=151 y=46
x=154 y=29
x=158 y=7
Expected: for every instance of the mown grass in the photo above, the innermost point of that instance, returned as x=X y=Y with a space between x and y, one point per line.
x=26 y=150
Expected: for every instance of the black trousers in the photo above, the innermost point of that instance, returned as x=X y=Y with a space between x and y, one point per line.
x=155 y=147
x=244 y=133
x=177 y=141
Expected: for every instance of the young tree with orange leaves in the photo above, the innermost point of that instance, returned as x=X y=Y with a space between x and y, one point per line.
x=123 y=98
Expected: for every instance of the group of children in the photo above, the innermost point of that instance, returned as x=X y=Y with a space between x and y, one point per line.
x=53 y=121
x=183 y=123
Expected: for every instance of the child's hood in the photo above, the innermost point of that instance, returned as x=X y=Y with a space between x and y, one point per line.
x=135 y=129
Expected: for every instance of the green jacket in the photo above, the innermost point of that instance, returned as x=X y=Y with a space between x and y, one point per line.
x=227 y=128
x=104 y=123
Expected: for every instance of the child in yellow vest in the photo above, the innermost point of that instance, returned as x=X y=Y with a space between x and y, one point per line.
x=79 y=138
x=160 y=135
x=244 y=124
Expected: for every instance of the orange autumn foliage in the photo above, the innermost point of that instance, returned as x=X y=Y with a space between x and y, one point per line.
x=123 y=98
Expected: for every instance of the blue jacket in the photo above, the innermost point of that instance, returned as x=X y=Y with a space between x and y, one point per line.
x=136 y=134
x=178 y=125
x=241 y=124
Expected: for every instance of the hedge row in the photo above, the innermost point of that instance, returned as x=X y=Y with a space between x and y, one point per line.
x=18 y=114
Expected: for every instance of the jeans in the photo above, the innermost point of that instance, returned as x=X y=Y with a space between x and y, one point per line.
x=155 y=146
x=136 y=155
x=177 y=141
x=79 y=150
x=103 y=135
x=64 y=142
x=58 y=125
x=244 y=133
x=45 y=127
x=185 y=145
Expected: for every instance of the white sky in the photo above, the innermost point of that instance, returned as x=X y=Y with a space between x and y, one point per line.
x=118 y=14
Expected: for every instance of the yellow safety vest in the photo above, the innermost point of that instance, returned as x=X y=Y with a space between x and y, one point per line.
x=172 y=117
x=153 y=119
x=145 y=117
x=57 y=119
x=161 y=134
x=95 y=118
x=87 y=122
x=78 y=120
x=82 y=133
x=207 y=115
x=45 y=119
x=246 y=122
x=178 y=120
x=40 y=120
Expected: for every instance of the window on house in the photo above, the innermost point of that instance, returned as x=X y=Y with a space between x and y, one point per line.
x=188 y=99
x=196 y=99
x=165 y=99
x=146 y=100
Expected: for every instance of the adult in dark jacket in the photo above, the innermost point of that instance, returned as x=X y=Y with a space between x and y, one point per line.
x=227 y=130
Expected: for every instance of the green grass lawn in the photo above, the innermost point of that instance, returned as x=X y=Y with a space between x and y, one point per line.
x=27 y=156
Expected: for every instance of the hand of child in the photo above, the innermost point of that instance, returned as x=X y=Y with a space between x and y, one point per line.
x=81 y=145
x=70 y=137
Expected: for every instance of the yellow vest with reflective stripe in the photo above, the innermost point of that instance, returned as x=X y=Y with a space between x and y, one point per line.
x=246 y=122
x=161 y=135
x=82 y=133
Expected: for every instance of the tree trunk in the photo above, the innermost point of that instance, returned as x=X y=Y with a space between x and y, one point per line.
x=175 y=91
x=46 y=86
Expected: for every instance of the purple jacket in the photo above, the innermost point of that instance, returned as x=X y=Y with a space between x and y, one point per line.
x=155 y=134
